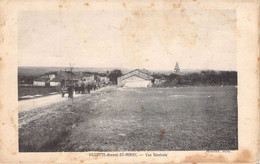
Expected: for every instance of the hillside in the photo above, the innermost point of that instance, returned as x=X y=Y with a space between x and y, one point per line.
x=35 y=71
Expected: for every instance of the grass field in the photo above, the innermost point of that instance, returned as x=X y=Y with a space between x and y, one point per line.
x=194 y=118
x=189 y=118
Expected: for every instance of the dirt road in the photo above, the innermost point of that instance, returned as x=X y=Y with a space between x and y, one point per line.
x=30 y=104
x=39 y=102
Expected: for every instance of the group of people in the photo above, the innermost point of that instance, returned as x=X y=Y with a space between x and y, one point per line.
x=78 y=89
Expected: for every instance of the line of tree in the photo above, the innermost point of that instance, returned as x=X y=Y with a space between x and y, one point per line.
x=113 y=75
x=204 y=78
x=22 y=79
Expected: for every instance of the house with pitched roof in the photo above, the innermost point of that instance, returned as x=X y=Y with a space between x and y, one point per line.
x=55 y=78
x=135 y=79
x=44 y=80
x=41 y=81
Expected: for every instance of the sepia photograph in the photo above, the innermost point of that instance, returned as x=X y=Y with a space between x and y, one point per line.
x=127 y=80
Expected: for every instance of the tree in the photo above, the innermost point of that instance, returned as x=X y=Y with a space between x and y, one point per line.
x=113 y=75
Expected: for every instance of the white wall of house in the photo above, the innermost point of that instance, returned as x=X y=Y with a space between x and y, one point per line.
x=136 y=82
x=132 y=74
x=38 y=83
x=104 y=80
x=159 y=81
x=119 y=81
x=89 y=78
x=52 y=76
x=54 y=83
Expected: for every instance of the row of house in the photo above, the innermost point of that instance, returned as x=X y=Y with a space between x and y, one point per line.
x=59 y=77
x=135 y=78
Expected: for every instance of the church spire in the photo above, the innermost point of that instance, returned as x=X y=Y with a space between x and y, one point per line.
x=177 y=68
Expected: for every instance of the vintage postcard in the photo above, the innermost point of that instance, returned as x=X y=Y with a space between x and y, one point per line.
x=114 y=81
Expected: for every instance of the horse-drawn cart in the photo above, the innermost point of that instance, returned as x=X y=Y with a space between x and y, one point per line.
x=67 y=90
x=67 y=87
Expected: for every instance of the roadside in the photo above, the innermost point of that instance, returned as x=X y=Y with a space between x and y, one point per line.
x=34 y=103
x=41 y=101
x=27 y=97
x=42 y=127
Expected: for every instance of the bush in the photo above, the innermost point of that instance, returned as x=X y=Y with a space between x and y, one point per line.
x=203 y=78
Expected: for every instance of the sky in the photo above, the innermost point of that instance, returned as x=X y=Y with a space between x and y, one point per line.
x=196 y=39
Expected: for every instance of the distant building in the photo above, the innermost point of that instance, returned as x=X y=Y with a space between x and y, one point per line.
x=49 y=79
x=55 y=82
x=88 y=78
x=41 y=81
x=159 y=81
x=177 y=68
x=52 y=75
x=61 y=78
x=135 y=79
x=45 y=79
x=103 y=78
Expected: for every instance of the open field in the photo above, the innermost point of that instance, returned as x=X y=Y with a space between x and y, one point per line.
x=120 y=119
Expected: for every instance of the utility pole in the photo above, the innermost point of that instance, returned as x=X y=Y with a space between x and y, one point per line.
x=71 y=73
x=72 y=84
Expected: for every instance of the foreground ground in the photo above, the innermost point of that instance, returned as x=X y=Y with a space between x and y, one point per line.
x=120 y=119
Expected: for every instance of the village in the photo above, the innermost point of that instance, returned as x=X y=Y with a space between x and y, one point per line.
x=70 y=82
x=135 y=78
x=78 y=103
x=83 y=82
x=57 y=81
